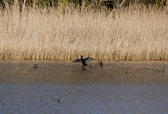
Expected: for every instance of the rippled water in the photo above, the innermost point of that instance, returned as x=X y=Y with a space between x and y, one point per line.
x=117 y=88
x=51 y=72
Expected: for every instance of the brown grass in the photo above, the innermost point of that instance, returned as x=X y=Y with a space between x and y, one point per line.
x=133 y=33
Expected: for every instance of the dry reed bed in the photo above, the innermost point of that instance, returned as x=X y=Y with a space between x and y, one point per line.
x=127 y=34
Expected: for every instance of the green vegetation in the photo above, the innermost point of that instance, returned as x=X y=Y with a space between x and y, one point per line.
x=83 y=3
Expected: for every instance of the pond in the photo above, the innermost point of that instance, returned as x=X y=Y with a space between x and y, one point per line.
x=67 y=88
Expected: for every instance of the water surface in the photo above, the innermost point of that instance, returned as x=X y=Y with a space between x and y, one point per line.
x=51 y=72
x=117 y=88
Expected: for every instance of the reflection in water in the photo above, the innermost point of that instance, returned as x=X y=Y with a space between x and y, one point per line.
x=51 y=72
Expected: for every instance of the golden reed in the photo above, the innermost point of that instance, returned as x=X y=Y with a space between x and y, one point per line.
x=133 y=33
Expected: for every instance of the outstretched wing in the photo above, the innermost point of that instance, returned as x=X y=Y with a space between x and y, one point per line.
x=77 y=60
x=88 y=59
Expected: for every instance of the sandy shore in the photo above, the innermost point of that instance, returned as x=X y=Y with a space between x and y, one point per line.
x=84 y=99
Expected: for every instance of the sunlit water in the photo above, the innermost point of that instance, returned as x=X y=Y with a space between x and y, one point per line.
x=115 y=88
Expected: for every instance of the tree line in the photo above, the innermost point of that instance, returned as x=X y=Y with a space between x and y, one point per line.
x=109 y=4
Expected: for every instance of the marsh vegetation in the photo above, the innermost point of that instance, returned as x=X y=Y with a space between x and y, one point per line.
x=129 y=33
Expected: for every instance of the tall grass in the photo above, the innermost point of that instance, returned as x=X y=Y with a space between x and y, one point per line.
x=133 y=33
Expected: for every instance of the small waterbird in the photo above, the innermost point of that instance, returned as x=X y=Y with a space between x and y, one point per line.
x=58 y=100
x=127 y=71
x=100 y=64
x=35 y=66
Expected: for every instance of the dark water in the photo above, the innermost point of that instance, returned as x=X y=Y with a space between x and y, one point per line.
x=51 y=72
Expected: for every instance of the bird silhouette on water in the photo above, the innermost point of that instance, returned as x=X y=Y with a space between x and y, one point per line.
x=83 y=60
x=35 y=66
x=101 y=64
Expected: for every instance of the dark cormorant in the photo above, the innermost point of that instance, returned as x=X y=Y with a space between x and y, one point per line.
x=83 y=60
